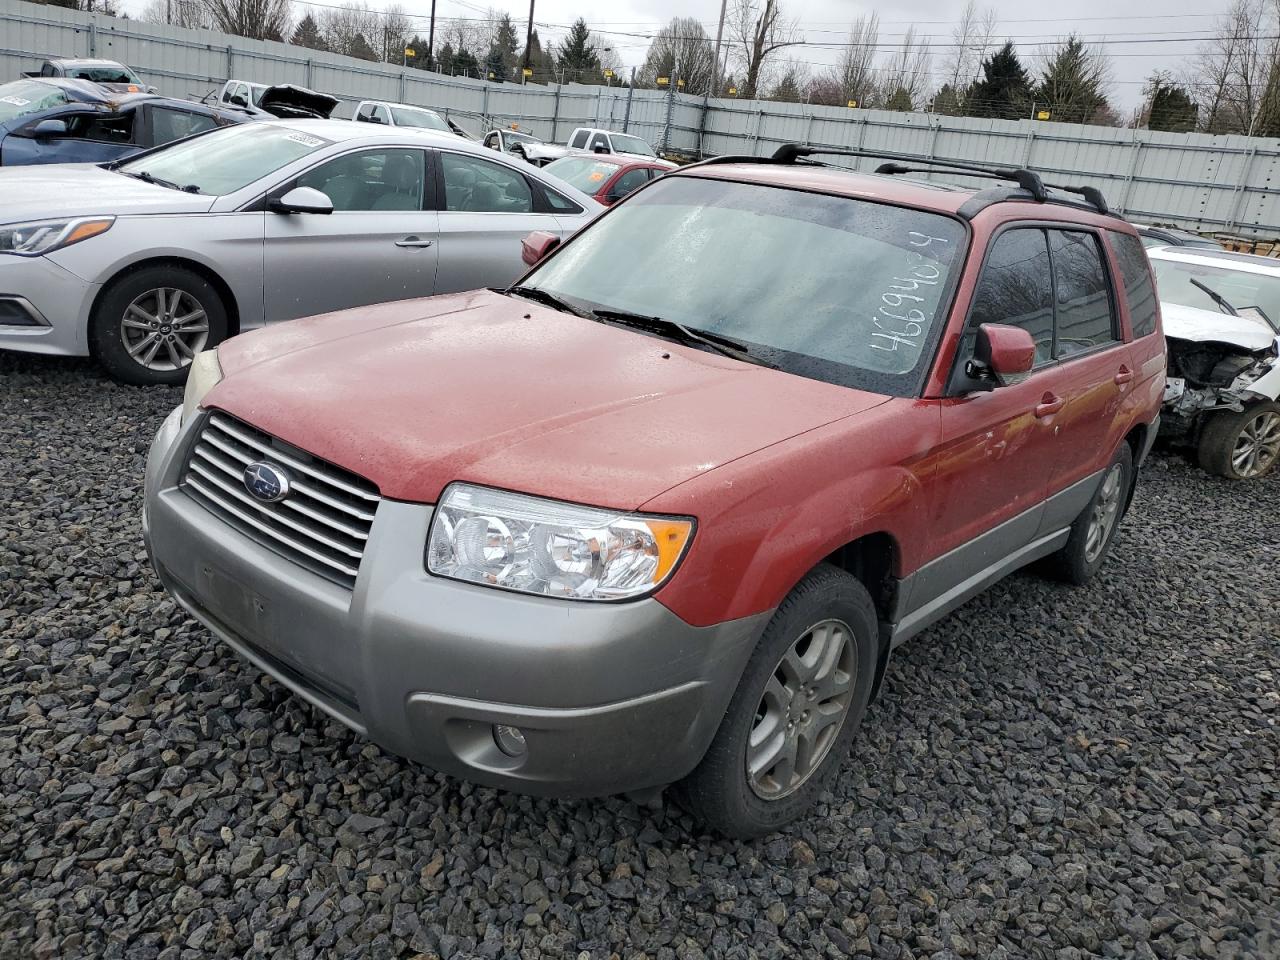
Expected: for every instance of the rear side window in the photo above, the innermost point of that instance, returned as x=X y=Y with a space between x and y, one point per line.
x=472 y=185
x=1139 y=291
x=579 y=139
x=1016 y=289
x=1085 y=319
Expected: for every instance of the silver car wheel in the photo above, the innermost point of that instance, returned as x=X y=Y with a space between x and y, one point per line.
x=802 y=710
x=164 y=328
x=1106 y=509
x=1257 y=446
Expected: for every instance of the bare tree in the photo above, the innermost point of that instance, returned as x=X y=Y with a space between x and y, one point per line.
x=680 y=49
x=255 y=19
x=908 y=75
x=971 y=37
x=193 y=14
x=1230 y=74
x=759 y=30
x=854 y=75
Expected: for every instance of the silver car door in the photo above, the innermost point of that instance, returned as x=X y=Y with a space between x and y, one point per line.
x=379 y=244
x=487 y=208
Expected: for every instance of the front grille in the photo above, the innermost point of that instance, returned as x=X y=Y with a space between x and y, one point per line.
x=322 y=525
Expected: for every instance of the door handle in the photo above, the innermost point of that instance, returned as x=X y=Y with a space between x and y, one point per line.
x=1049 y=405
x=1124 y=374
x=414 y=242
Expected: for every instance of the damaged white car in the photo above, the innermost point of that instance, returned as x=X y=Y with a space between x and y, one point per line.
x=1221 y=315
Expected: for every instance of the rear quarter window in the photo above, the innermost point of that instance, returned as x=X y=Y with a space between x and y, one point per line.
x=1139 y=291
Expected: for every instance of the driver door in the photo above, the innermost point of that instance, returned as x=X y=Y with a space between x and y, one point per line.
x=91 y=137
x=379 y=244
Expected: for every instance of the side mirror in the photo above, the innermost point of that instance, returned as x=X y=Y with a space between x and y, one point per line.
x=49 y=128
x=537 y=245
x=374 y=118
x=238 y=100
x=1002 y=355
x=599 y=148
x=302 y=200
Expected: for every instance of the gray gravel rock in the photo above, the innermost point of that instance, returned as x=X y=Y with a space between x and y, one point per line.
x=1052 y=773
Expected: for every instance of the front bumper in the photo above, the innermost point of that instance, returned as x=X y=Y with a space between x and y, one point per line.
x=57 y=299
x=610 y=697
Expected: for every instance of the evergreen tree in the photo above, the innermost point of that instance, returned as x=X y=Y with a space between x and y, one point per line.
x=307 y=34
x=1004 y=90
x=361 y=49
x=465 y=63
x=948 y=102
x=578 y=60
x=494 y=65
x=541 y=62
x=507 y=39
x=900 y=100
x=1071 y=84
x=1171 y=109
x=444 y=59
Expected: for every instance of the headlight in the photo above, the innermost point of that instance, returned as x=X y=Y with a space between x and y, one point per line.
x=555 y=549
x=44 y=236
x=204 y=375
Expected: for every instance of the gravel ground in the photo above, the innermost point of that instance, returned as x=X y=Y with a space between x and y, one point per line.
x=1052 y=772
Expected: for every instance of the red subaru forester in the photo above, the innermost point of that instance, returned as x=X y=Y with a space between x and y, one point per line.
x=659 y=513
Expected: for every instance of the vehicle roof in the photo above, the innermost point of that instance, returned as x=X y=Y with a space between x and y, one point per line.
x=406 y=106
x=86 y=91
x=348 y=130
x=614 y=159
x=1228 y=259
x=83 y=62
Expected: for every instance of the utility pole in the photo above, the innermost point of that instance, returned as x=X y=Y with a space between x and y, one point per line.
x=431 y=37
x=715 y=69
x=528 y=37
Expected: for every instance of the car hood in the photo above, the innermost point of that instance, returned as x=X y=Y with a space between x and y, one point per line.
x=1209 y=326
x=494 y=390
x=286 y=100
x=47 y=191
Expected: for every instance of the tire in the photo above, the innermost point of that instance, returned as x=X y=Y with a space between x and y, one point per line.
x=1083 y=554
x=1242 y=446
x=720 y=791
x=130 y=320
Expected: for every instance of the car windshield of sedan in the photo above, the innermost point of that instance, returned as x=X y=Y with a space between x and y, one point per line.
x=625 y=144
x=834 y=288
x=22 y=97
x=1240 y=288
x=226 y=160
x=586 y=173
x=425 y=119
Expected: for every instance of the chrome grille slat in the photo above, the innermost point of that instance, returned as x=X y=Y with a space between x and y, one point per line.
x=300 y=486
x=323 y=524
x=236 y=471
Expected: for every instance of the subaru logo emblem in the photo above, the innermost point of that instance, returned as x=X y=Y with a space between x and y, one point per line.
x=266 y=482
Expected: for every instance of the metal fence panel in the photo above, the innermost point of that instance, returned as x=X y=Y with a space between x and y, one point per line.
x=1198 y=181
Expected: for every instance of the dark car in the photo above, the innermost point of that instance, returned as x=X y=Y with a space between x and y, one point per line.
x=54 y=120
x=1155 y=236
x=108 y=72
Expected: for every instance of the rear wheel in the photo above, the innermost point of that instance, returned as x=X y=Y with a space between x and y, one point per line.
x=1242 y=446
x=797 y=707
x=1092 y=532
x=150 y=324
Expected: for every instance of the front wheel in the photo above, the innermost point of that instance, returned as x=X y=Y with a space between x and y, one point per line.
x=1242 y=446
x=150 y=324
x=794 y=713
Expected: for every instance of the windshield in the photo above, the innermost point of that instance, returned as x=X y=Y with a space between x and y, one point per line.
x=226 y=160
x=586 y=173
x=104 y=74
x=25 y=96
x=513 y=137
x=625 y=144
x=832 y=288
x=408 y=117
x=1240 y=289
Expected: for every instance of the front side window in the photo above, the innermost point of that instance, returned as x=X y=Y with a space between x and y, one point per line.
x=228 y=159
x=472 y=185
x=828 y=287
x=631 y=180
x=168 y=125
x=1016 y=289
x=599 y=141
x=380 y=114
x=1085 y=318
x=24 y=97
x=101 y=127
x=1138 y=289
x=365 y=112
x=371 y=180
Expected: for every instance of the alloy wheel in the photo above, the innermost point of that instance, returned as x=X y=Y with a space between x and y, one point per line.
x=164 y=328
x=801 y=710
x=1257 y=446
x=1106 y=509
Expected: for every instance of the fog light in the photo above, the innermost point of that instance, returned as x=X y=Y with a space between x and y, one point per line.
x=510 y=740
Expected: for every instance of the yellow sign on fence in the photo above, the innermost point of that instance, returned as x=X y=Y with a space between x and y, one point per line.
x=410 y=52
x=1042 y=114
x=853 y=103
x=663 y=81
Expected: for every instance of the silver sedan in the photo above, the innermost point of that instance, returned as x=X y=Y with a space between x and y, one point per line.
x=143 y=263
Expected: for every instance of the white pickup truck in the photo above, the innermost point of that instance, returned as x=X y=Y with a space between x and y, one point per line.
x=585 y=140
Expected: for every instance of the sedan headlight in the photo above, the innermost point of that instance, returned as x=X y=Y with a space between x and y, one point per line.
x=39 y=237
x=204 y=375
x=554 y=549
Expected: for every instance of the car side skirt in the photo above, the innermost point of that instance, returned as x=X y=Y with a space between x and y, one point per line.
x=942 y=585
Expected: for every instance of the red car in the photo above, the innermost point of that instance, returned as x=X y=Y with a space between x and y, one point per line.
x=660 y=512
x=603 y=177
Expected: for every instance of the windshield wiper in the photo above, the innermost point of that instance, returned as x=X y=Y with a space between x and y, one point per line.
x=158 y=181
x=546 y=298
x=678 y=331
x=1216 y=297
